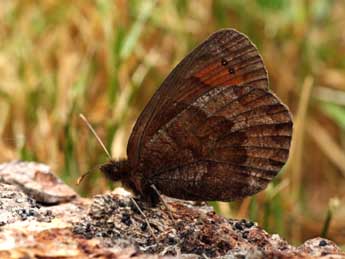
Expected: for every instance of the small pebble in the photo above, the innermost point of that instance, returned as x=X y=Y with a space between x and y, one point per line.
x=122 y=203
x=143 y=226
x=323 y=243
x=31 y=212
x=126 y=219
x=134 y=208
x=20 y=200
x=88 y=227
x=49 y=213
x=110 y=224
x=249 y=224
x=238 y=226
x=171 y=240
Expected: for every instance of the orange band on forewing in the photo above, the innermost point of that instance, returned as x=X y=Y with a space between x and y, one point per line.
x=237 y=80
x=206 y=71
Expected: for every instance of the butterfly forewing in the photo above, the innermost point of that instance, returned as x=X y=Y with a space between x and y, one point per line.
x=226 y=58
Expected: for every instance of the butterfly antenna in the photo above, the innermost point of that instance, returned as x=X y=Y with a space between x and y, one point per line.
x=95 y=134
x=82 y=177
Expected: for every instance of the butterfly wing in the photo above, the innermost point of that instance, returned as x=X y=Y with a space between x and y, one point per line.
x=226 y=58
x=212 y=131
x=226 y=145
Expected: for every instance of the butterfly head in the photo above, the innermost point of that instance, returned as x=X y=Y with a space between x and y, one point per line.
x=116 y=170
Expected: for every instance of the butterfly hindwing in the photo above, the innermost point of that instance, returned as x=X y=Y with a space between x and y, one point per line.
x=227 y=144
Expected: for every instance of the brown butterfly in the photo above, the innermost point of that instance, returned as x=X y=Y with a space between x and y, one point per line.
x=212 y=131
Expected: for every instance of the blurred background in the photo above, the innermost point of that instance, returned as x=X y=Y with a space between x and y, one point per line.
x=106 y=58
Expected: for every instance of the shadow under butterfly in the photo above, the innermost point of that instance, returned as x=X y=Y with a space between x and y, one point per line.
x=212 y=131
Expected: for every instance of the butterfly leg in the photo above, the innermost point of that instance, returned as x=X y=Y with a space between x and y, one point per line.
x=165 y=204
x=145 y=218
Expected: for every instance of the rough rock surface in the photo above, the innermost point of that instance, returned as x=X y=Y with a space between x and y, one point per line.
x=36 y=180
x=46 y=219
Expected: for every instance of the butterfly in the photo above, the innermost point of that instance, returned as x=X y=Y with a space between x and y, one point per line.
x=212 y=131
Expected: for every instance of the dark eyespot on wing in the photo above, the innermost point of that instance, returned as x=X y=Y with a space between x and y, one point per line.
x=224 y=62
x=231 y=70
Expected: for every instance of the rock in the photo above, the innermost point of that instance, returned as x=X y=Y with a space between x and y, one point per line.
x=37 y=181
x=321 y=247
x=113 y=225
x=17 y=206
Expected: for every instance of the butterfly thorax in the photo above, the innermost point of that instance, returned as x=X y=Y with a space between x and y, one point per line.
x=122 y=171
x=119 y=171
